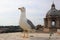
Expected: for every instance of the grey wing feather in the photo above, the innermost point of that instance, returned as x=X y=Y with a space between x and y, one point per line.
x=31 y=24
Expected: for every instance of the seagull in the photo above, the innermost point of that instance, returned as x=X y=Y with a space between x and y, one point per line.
x=24 y=23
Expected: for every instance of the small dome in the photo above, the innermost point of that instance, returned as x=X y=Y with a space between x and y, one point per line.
x=53 y=12
x=53 y=5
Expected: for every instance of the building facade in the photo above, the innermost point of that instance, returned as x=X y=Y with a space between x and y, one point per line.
x=52 y=20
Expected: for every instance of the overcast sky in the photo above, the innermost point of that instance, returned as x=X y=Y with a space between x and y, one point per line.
x=35 y=10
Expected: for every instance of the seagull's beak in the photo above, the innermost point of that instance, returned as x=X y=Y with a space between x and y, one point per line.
x=19 y=8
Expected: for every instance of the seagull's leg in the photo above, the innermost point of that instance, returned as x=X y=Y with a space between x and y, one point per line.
x=27 y=34
x=24 y=34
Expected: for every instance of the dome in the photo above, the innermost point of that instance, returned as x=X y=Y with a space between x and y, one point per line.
x=53 y=12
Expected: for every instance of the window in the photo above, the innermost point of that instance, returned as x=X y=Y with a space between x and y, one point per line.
x=53 y=23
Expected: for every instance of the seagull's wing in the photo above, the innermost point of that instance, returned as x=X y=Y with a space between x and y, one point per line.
x=31 y=24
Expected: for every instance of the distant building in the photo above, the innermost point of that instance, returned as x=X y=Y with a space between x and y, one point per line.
x=52 y=20
x=39 y=28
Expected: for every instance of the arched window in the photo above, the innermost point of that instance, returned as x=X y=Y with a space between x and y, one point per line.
x=53 y=23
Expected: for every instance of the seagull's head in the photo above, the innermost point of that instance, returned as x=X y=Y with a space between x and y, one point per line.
x=22 y=9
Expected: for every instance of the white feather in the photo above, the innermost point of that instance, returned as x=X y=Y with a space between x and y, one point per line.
x=23 y=20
